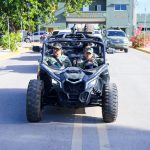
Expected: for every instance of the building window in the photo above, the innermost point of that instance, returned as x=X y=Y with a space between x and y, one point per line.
x=117 y=7
x=124 y=7
x=99 y=7
x=85 y=8
x=120 y=7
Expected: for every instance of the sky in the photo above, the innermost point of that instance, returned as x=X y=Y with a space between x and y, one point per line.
x=142 y=4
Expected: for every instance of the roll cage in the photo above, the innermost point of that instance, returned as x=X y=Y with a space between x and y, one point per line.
x=100 y=50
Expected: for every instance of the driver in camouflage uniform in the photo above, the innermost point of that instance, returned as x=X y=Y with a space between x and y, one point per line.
x=58 y=59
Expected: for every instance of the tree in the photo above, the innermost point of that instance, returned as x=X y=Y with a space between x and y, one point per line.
x=28 y=12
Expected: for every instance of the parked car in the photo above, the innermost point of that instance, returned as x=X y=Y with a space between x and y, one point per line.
x=58 y=32
x=36 y=36
x=98 y=33
x=117 y=39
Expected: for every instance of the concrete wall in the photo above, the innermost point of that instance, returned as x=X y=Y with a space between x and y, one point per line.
x=122 y=19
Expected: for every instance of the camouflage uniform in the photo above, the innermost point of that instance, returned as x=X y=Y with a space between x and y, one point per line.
x=94 y=62
x=91 y=63
x=62 y=61
x=58 y=62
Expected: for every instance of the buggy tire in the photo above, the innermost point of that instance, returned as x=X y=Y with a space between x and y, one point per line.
x=27 y=40
x=34 y=100
x=109 y=102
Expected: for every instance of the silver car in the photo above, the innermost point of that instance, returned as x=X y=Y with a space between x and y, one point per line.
x=36 y=36
x=116 y=39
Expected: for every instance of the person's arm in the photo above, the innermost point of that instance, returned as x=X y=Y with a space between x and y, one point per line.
x=68 y=62
x=49 y=61
x=99 y=61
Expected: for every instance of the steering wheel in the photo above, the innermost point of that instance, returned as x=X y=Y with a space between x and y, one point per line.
x=90 y=66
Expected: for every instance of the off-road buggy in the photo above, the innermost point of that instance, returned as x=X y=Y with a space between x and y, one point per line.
x=72 y=87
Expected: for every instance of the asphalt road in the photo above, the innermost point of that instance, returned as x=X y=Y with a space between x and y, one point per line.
x=64 y=129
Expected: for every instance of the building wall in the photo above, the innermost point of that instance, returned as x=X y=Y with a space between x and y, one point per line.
x=123 y=19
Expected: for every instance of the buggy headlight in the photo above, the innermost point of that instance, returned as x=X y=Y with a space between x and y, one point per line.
x=55 y=82
x=91 y=83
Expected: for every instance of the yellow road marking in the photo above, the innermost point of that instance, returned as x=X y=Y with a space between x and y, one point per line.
x=103 y=137
x=101 y=131
x=102 y=134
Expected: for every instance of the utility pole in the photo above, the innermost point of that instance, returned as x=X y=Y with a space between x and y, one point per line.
x=8 y=24
x=8 y=33
x=145 y=28
x=21 y=23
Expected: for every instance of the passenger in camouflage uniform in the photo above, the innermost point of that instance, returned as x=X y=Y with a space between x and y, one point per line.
x=58 y=59
x=90 y=59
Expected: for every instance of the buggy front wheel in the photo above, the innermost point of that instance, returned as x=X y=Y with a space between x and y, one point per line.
x=109 y=102
x=34 y=100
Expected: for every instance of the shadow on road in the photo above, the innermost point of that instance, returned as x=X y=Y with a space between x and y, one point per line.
x=27 y=58
x=66 y=115
x=12 y=106
x=20 y=68
x=13 y=110
x=58 y=124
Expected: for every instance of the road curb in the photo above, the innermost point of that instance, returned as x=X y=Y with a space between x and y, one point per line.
x=142 y=50
x=13 y=54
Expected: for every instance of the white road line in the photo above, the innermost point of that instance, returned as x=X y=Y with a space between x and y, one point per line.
x=102 y=134
x=77 y=134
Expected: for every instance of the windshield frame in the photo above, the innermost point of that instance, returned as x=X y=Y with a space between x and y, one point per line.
x=68 y=40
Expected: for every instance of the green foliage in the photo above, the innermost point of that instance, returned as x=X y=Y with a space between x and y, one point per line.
x=30 y=13
x=101 y=26
x=14 y=39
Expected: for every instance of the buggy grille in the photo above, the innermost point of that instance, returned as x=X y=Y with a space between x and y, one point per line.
x=74 y=89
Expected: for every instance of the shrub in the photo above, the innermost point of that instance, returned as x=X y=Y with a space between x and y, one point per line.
x=138 y=39
x=14 y=39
